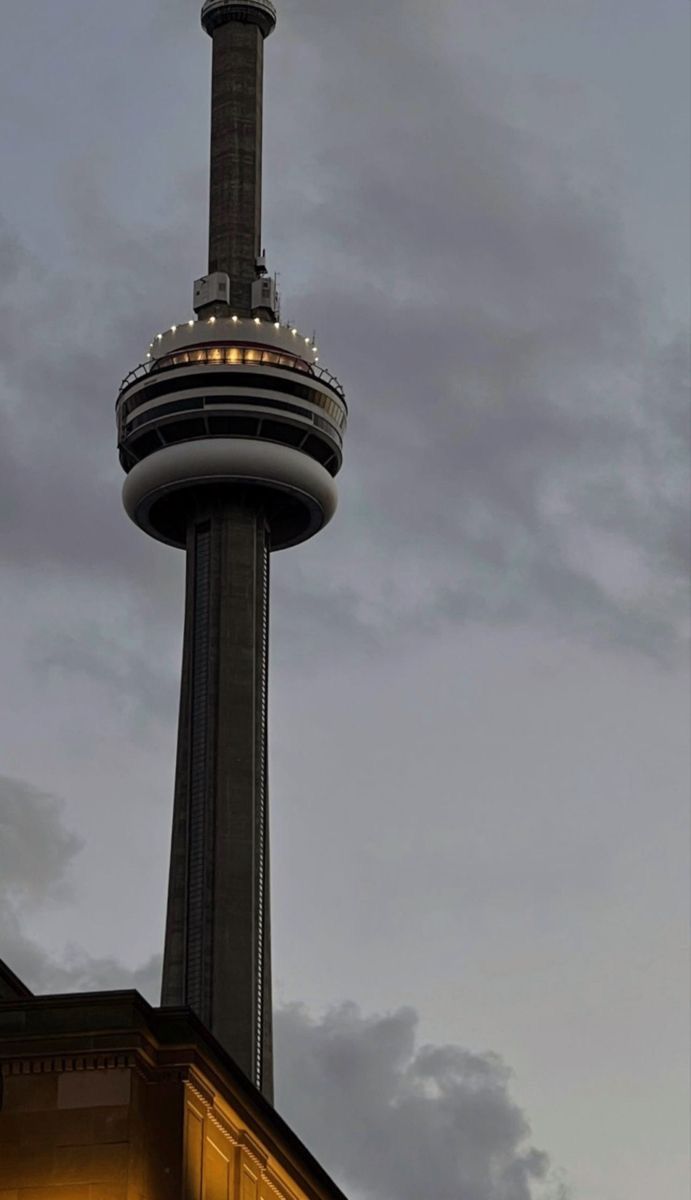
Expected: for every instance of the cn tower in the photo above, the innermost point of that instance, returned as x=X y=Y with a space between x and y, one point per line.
x=231 y=436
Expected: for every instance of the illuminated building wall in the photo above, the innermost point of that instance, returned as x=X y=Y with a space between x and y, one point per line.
x=105 y=1098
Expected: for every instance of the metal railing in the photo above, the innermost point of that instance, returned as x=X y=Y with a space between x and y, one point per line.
x=213 y=10
x=211 y=6
x=236 y=356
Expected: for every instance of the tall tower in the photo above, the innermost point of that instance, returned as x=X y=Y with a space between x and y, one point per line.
x=231 y=436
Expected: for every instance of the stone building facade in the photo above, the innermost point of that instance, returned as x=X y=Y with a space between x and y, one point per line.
x=105 y=1098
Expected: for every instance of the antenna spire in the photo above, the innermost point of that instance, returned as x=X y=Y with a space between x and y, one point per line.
x=238 y=29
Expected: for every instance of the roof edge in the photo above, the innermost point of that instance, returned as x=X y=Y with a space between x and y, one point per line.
x=168 y=1028
x=11 y=986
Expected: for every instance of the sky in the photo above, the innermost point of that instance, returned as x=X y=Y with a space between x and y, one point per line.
x=480 y=672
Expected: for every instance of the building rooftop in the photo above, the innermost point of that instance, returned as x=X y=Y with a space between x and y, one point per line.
x=118 y=1034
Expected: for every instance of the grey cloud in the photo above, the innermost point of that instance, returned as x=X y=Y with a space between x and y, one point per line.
x=141 y=677
x=37 y=853
x=519 y=434
x=395 y=1120
x=517 y=449
x=73 y=970
x=33 y=868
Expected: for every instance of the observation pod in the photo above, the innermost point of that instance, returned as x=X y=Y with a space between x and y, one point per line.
x=255 y=12
x=231 y=403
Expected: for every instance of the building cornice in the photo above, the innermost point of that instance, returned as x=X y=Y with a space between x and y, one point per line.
x=120 y=1030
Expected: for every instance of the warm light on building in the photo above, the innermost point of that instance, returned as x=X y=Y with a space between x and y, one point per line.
x=104 y=1098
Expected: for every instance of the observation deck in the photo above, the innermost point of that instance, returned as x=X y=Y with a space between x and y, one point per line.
x=231 y=401
x=255 y=12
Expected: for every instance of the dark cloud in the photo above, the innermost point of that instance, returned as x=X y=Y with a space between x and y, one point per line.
x=396 y=1120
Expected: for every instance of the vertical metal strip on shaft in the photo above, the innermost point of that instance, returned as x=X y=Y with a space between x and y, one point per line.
x=262 y=881
x=200 y=860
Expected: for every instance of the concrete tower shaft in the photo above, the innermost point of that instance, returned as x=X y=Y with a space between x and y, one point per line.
x=218 y=941
x=238 y=29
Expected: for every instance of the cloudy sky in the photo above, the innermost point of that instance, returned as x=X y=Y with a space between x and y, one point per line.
x=480 y=683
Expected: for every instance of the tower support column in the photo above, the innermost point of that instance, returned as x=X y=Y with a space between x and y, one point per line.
x=218 y=953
